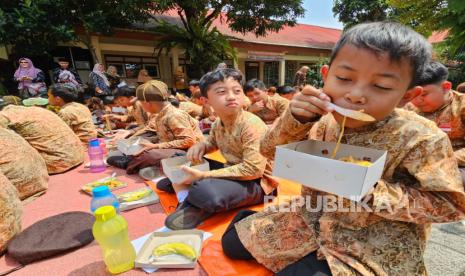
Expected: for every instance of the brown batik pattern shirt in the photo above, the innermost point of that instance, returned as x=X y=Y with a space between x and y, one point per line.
x=79 y=119
x=175 y=128
x=192 y=109
x=47 y=133
x=22 y=164
x=450 y=118
x=239 y=143
x=137 y=114
x=274 y=107
x=11 y=211
x=421 y=183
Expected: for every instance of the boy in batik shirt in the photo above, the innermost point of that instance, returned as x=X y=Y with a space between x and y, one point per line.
x=264 y=106
x=245 y=178
x=22 y=164
x=446 y=107
x=176 y=130
x=11 y=211
x=373 y=67
x=47 y=133
x=77 y=116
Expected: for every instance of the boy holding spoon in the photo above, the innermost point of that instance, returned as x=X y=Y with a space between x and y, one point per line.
x=373 y=67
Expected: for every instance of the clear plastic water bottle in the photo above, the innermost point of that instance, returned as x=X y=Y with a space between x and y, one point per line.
x=95 y=152
x=101 y=196
x=111 y=232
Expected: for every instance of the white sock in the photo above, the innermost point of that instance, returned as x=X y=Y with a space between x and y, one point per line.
x=181 y=195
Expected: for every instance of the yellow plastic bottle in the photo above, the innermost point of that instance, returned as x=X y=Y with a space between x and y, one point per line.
x=111 y=232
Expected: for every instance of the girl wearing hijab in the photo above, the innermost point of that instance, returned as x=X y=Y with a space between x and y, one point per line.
x=99 y=81
x=30 y=80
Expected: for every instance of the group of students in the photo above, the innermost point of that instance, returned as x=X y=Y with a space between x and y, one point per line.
x=378 y=67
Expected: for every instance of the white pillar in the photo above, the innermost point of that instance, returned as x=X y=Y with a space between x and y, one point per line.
x=261 y=71
x=175 y=57
x=282 y=71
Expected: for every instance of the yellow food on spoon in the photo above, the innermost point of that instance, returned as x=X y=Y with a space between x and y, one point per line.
x=177 y=248
x=353 y=160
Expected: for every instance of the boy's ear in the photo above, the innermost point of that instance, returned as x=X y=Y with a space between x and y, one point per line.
x=324 y=72
x=447 y=85
x=411 y=94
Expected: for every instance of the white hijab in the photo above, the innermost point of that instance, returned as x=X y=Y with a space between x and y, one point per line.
x=100 y=73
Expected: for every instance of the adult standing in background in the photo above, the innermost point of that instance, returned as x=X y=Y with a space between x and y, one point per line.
x=99 y=81
x=30 y=80
x=66 y=75
x=300 y=78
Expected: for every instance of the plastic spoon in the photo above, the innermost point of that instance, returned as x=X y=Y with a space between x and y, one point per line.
x=354 y=114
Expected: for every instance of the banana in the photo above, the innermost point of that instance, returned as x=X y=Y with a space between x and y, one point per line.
x=135 y=195
x=177 y=248
x=353 y=160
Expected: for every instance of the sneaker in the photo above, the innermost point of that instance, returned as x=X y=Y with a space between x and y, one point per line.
x=186 y=216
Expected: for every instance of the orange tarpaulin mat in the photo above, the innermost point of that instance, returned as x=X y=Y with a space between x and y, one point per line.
x=213 y=261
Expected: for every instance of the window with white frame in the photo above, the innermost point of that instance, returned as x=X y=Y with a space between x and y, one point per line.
x=129 y=66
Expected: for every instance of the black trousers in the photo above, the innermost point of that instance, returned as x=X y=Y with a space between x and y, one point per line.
x=234 y=249
x=217 y=195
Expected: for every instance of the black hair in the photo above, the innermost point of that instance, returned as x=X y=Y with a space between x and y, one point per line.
x=286 y=89
x=395 y=39
x=194 y=83
x=434 y=73
x=125 y=91
x=218 y=75
x=254 y=83
x=66 y=92
x=174 y=102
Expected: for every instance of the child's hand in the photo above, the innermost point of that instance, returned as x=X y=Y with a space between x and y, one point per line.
x=121 y=135
x=147 y=146
x=256 y=107
x=192 y=175
x=196 y=152
x=309 y=104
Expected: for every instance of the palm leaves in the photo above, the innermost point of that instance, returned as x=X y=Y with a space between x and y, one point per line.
x=204 y=45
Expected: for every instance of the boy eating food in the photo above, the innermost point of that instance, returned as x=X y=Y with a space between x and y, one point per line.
x=77 y=116
x=245 y=178
x=373 y=67
x=264 y=106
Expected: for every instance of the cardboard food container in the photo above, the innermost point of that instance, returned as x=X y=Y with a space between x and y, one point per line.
x=172 y=168
x=309 y=163
x=152 y=198
x=191 y=237
x=130 y=146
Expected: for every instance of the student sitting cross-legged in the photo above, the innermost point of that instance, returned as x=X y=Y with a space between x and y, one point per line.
x=373 y=67
x=77 y=116
x=176 y=130
x=236 y=133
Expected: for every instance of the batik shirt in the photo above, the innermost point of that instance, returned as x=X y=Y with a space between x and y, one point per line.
x=239 y=143
x=79 y=119
x=191 y=108
x=11 y=211
x=274 y=107
x=136 y=114
x=450 y=118
x=175 y=128
x=47 y=133
x=420 y=183
x=22 y=164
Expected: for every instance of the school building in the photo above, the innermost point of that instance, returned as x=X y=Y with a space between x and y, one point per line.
x=274 y=58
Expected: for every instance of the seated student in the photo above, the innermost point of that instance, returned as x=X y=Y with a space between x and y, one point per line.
x=176 y=130
x=22 y=164
x=373 y=67
x=77 y=116
x=11 y=211
x=47 y=133
x=266 y=107
x=245 y=179
x=442 y=105
x=194 y=106
x=136 y=116
x=286 y=92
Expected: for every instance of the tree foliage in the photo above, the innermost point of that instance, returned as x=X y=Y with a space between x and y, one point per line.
x=37 y=26
x=353 y=12
x=204 y=45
